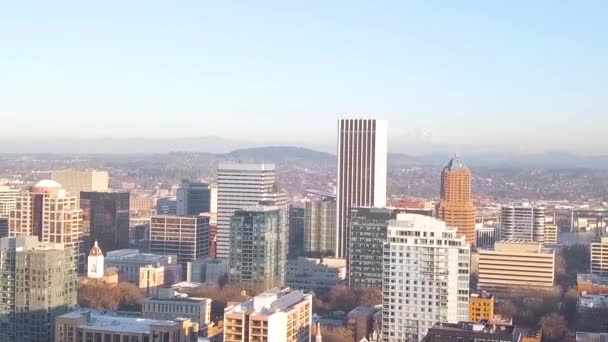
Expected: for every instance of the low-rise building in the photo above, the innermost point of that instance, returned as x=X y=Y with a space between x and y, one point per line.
x=274 y=315
x=481 y=307
x=88 y=325
x=170 y=305
x=473 y=332
x=362 y=322
x=208 y=270
x=151 y=278
x=591 y=283
x=516 y=264
x=129 y=261
x=312 y=273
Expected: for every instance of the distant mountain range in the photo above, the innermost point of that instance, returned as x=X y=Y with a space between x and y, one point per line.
x=278 y=153
x=240 y=150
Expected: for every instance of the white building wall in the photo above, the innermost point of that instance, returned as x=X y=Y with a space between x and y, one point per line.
x=427 y=278
x=277 y=327
x=238 y=186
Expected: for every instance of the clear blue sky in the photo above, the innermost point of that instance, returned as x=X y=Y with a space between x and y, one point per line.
x=527 y=75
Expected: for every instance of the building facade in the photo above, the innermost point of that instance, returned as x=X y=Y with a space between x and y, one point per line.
x=599 y=256
x=257 y=246
x=170 y=305
x=8 y=197
x=183 y=236
x=481 y=307
x=92 y=326
x=320 y=223
x=296 y=230
x=208 y=270
x=274 y=315
x=130 y=261
x=426 y=277
x=522 y=221
x=361 y=172
x=485 y=237
x=37 y=284
x=166 y=206
x=3 y=227
x=368 y=232
x=46 y=211
x=456 y=206
x=106 y=218
x=516 y=265
x=75 y=181
x=239 y=186
x=193 y=198
x=362 y=322
x=312 y=273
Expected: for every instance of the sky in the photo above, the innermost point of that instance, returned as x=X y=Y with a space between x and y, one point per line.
x=504 y=75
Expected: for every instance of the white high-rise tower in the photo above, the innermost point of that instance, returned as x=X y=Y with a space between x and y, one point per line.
x=425 y=277
x=240 y=186
x=361 y=178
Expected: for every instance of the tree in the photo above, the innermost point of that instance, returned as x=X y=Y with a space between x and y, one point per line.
x=554 y=327
x=105 y=297
x=337 y=334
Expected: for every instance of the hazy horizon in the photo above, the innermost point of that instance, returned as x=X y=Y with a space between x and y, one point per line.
x=469 y=76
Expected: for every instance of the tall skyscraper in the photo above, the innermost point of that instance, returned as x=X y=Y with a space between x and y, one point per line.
x=46 y=211
x=320 y=223
x=37 y=284
x=187 y=237
x=75 y=181
x=368 y=230
x=361 y=177
x=106 y=219
x=296 y=231
x=522 y=221
x=193 y=198
x=456 y=206
x=239 y=186
x=257 y=246
x=426 y=277
x=8 y=197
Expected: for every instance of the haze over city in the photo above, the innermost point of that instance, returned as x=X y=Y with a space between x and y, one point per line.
x=468 y=76
x=320 y=171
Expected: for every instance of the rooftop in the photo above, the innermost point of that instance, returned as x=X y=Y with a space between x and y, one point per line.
x=133 y=255
x=592 y=278
x=186 y=285
x=455 y=164
x=271 y=301
x=483 y=294
x=364 y=310
x=472 y=328
x=593 y=301
x=591 y=337
x=113 y=322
